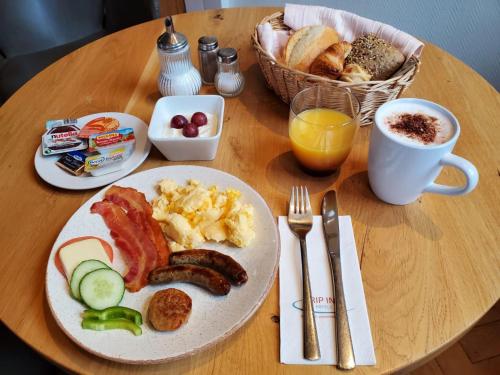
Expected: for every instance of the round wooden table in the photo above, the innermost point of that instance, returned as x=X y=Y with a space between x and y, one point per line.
x=430 y=269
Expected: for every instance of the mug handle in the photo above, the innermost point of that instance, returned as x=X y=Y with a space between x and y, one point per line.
x=466 y=167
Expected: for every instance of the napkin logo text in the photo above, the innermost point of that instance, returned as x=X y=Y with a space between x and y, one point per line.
x=321 y=305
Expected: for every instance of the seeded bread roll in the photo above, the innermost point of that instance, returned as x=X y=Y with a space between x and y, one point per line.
x=331 y=62
x=306 y=44
x=375 y=55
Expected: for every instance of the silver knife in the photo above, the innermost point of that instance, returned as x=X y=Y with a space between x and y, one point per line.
x=345 y=354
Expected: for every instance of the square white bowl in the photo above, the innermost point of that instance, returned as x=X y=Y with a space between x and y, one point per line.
x=180 y=148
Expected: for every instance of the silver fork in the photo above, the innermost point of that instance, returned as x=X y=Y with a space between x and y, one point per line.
x=300 y=222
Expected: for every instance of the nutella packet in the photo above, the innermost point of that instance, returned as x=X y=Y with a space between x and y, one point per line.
x=61 y=136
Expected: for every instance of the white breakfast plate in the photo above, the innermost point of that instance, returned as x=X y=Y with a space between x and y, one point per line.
x=47 y=169
x=213 y=318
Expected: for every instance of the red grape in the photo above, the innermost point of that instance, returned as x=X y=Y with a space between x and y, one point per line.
x=190 y=130
x=199 y=119
x=178 y=122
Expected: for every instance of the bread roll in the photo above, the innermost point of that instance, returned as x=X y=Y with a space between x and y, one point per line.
x=331 y=62
x=306 y=44
x=355 y=74
x=376 y=56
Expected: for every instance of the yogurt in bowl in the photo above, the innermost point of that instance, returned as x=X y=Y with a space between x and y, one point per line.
x=171 y=142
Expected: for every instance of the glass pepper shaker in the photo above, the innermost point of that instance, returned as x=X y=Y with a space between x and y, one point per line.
x=207 y=54
x=229 y=81
x=177 y=76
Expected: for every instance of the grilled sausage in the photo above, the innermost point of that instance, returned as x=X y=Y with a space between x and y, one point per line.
x=206 y=278
x=212 y=259
x=169 y=309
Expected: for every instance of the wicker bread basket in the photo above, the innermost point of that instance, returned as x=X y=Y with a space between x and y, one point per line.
x=287 y=82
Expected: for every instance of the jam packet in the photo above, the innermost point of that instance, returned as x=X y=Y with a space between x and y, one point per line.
x=108 y=141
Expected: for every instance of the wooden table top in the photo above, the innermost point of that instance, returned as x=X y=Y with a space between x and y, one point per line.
x=430 y=269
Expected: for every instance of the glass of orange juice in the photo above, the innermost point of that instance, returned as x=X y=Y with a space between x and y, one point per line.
x=322 y=124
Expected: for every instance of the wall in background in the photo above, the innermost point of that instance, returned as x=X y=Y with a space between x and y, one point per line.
x=469 y=30
x=171 y=7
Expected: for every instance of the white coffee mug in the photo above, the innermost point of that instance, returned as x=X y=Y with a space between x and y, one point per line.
x=399 y=171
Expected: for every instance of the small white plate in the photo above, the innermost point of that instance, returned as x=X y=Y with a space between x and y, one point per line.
x=213 y=318
x=48 y=170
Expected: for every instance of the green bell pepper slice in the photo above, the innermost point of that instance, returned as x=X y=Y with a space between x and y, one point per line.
x=104 y=325
x=114 y=312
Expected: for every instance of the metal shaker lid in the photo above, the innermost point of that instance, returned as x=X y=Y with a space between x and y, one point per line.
x=207 y=43
x=227 y=55
x=170 y=40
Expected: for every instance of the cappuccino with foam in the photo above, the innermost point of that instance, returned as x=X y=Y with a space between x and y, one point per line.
x=411 y=141
x=416 y=123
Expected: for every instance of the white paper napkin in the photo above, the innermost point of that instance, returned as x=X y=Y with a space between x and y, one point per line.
x=290 y=283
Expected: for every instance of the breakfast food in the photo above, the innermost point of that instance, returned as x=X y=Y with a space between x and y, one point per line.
x=102 y=288
x=77 y=250
x=99 y=148
x=330 y=63
x=190 y=130
x=178 y=122
x=192 y=214
x=378 y=57
x=136 y=248
x=84 y=268
x=324 y=146
x=103 y=142
x=114 y=312
x=306 y=44
x=219 y=262
x=62 y=136
x=199 y=119
x=108 y=159
x=112 y=161
x=128 y=215
x=115 y=317
x=99 y=125
x=413 y=123
x=169 y=309
x=139 y=211
x=205 y=278
x=200 y=124
x=72 y=162
x=355 y=73
x=86 y=263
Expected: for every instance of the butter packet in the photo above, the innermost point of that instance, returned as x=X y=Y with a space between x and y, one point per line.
x=108 y=162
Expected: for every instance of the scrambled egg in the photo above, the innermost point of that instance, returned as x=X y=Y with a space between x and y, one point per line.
x=192 y=214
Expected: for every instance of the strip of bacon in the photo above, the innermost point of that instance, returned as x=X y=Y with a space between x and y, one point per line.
x=138 y=251
x=140 y=212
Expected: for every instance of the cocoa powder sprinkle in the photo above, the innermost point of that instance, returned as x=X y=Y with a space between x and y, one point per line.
x=415 y=125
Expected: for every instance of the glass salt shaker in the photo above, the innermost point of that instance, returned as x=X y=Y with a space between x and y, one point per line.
x=177 y=76
x=229 y=81
x=207 y=54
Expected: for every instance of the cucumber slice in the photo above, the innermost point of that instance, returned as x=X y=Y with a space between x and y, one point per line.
x=80 y=271
x=102 y=288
